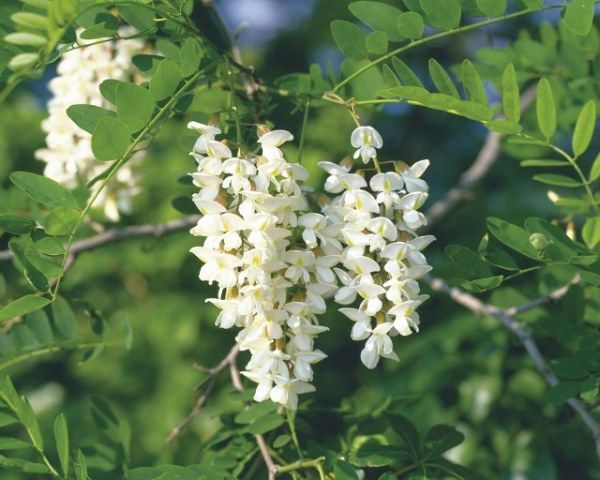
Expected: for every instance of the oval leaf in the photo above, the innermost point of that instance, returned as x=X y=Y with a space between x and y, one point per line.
x=584 y=129
x=110 y=139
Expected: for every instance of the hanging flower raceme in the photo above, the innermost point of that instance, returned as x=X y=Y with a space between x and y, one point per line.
x=375 y=222
x=261 y=250
x=68 y=154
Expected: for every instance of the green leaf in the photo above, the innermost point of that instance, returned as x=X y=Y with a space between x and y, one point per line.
x=570 y=368
x=44 y=190
x=254 y=412
x=468 y=261
x=591 y=232
x=30 y=20
x=411 y=25
x=440 y=439
x=482 y=284
x=511 y=102
x=405 y=74
x=512 y=236
x=110 y=139
x=377 y=43
x=64 y=318
x=102 y=30
x=33 y=428
x=40 y=326
x=191 y=56
x=595 y=170
x=23 y=465
x=26 y=39
x=134 y=105
x=473 y=83
x=557 y=180
x=88 y=116
x=265 y=424
x=379 y=16
x=281 y=441
x=441 y=79
x=80 y=466
x=344 y=471
x=138 y=16
x=165 y=80
x=559 y=394
x=443 y=14
x=33 y=274
x=23 y=61
x=545 y=109
x=16 y=224
x=22 y=306
x=579 y=16
x=406 y=430
x=61 y=437
x=8 y=443
x=492 y=8
x=584 y=129
x=108 y=89
x=62 y=221
x=544 y=162
x=350 y=39
x=147 y=64
x=499 y=258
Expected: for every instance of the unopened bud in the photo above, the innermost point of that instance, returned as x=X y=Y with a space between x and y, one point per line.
x=347 y=162
x=553 y=196
x=261 y=130
x=539 y=241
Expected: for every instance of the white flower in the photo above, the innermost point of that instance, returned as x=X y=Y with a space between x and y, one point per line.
x=378 y=345
x=68 y=154
x=412 y=177
x=366 y=140
x=271 y=141
x=207 y=133
x=286 y=391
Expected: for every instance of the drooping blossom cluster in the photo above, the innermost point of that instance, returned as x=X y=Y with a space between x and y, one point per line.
x=271 y=282
x=68 y=154
x=276 y=263
x=375 y=221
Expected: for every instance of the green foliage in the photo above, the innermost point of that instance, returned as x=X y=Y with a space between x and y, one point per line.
x=468 y=373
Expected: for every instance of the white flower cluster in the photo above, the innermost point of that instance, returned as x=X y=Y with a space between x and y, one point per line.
x=276 y=263
x=269 y=285
x=68 y=154
x=381 y=260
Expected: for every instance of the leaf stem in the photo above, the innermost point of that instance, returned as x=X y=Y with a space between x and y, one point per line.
x=292 y=425
x=53 y=349
x=234 y=106
x=302 y=132
x=307 y=463
x=577 y=168
x=119 y=163
x=438 y=36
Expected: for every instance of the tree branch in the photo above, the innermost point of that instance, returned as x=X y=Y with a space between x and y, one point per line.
x=484 y=161
x=510 y=322
x=213 y=373
x=120 y=234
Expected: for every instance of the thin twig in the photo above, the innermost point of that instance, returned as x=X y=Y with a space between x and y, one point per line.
x=213 y=373
x=476 y=172
x=126 y=233
x=510 y=322
x=236 y=381
x=551 y=297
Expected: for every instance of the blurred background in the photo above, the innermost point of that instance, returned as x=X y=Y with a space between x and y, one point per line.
x=460 y=369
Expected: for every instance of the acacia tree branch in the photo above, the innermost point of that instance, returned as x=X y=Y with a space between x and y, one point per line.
x=213 y=373
x=511 y=323
x=484 y=161
x=121 y=234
